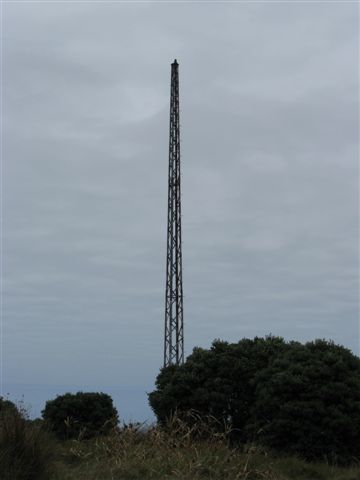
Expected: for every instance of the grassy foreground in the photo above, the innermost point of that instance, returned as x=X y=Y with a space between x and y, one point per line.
x=155 y=454
x=28 y=452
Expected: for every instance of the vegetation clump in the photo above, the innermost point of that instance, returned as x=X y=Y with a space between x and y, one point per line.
x=293 y=398
x=252 y=410
x=307 y=402
x=83 y=414
x=188 y=447
x=182 y=451
x=26 y=450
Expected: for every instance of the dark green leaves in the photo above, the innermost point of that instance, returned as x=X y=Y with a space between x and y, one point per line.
x=81 y=414
x=299 y=399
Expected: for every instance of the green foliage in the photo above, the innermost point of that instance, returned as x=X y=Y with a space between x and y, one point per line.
x=25 y=450
x=294 y=398
x=174 y=452
x=7 y=406
x=161 y=454
x=216 y=382
x=84 y=414
x=308 y=402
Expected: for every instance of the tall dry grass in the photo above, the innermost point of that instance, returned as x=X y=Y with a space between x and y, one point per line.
x=177 y=451
x=26 y=451
x=197 y=450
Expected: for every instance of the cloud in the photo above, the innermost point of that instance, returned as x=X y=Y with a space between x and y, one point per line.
x=269 y=121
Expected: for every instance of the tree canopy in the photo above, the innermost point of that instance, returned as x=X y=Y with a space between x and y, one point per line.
x=295 y=398
x=83 y=413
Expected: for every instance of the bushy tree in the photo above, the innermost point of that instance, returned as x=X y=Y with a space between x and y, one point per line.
x=26 y=451
x=84 y=414
x=307 y=402
x=217 y=382
x=6 y=406
x=300 y=399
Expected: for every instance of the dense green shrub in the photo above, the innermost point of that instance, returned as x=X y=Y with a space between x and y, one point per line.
x=7 y=406
x=26 y=451
x=300 y=399
x=84 y=414
x=308 y=402
x=217 y=382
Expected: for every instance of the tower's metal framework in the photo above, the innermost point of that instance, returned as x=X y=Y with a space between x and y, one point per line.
x=174 y=324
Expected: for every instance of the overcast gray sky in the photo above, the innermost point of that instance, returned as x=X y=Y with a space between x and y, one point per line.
x=269 y=98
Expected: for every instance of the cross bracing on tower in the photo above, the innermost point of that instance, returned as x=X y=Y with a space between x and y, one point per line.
x=174 y=312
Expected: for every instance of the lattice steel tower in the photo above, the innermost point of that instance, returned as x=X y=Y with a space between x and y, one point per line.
x=174 y=326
